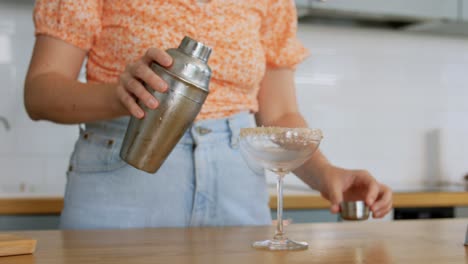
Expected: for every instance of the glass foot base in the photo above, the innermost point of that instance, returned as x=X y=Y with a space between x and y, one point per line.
x=284 y=244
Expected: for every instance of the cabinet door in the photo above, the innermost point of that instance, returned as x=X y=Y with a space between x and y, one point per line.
x=29 y=222
x=421 y=9
x=307 y=216
x=461 y=212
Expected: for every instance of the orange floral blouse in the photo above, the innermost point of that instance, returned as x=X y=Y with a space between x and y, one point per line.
x=246 y=36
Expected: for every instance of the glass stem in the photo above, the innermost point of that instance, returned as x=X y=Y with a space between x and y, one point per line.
x=279 y=207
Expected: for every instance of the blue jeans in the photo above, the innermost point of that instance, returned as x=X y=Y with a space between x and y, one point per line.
x=203 y=182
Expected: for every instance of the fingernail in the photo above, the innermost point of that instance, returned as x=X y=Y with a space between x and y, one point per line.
x=163 y=86
x=152 y=103
x=140 y=114
x=167 y=60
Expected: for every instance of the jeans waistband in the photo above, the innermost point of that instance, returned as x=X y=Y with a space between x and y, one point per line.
x=200 y=131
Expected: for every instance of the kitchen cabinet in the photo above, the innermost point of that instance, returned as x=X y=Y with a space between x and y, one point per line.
x=51 y=222
x=29 y=222
x=424 y=213
x=308 y=216
x=461 y=212
x=43 y=213
x=416 y=9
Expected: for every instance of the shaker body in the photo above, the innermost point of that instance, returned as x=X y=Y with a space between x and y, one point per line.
x=150 y=140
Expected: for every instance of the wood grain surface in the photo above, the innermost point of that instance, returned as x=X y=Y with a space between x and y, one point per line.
x=16 y=245
x=417 y=241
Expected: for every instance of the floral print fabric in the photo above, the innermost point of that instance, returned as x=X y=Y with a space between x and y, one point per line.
x=246 y=37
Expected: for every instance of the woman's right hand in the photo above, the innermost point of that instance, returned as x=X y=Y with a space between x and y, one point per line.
x=130 y=87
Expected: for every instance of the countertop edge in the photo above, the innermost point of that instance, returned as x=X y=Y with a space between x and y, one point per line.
x=54 y=205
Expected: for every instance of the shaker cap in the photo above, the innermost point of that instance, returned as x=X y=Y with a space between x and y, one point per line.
x=189 y=63
x=195 y=49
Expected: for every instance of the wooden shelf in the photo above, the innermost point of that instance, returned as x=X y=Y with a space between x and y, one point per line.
x=400 y=200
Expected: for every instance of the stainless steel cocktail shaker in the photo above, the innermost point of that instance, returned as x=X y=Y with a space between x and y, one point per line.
x=150 y=140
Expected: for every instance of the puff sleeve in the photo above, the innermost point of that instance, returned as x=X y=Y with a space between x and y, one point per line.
x=278 y=35
x=77 y=22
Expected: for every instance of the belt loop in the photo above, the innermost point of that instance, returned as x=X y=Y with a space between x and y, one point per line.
x=193 y=135
x=234 y=130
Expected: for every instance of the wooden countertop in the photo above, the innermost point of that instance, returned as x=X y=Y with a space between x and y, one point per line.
x=422 y=241
x=53 y=205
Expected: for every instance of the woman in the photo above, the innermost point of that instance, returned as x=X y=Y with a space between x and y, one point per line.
x=204 y=181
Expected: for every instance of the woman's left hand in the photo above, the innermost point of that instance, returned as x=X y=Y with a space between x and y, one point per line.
x=339 y=185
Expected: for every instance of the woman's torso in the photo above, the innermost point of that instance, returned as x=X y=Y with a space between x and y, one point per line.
x=230 y=27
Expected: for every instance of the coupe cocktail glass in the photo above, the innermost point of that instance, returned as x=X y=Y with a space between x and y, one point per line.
x=279 y=150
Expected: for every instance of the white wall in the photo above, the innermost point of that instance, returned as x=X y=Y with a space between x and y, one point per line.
x=33 y=155
x=377 y=95
x=392 y=102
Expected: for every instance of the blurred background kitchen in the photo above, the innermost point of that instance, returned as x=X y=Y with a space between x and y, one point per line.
x=387 y=82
